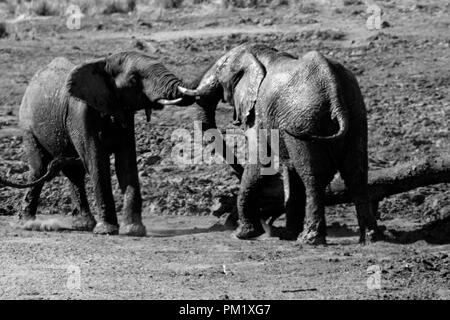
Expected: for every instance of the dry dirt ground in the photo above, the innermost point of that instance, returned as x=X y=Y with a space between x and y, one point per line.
x=404 y=73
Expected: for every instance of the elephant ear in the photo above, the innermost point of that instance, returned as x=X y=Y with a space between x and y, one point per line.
x=91 y=83
x=251 y=73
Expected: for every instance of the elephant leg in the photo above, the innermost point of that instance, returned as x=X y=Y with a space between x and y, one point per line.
x=295 y=204
x=250 y=225
x=315 y=224
x=312 y=162
x=98 y=165
x=83 y=220
x=38 y=159
x=127 y=175
x=355 y=180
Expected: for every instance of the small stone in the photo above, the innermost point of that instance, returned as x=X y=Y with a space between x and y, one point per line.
x=145 y=24
x=140 y=45
x=267 y=22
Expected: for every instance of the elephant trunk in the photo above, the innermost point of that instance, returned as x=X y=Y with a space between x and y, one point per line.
x=163 y=85
x=206 y=117
x=159 y=84
x=204 y=85
x=173 y=94
x=164 y=91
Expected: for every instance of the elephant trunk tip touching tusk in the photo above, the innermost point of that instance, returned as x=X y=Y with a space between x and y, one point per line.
x=169 y=102
x=188 y=92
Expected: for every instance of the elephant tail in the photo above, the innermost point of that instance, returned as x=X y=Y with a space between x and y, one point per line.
x=52 y=170
x=343 y=123
x=338 y=112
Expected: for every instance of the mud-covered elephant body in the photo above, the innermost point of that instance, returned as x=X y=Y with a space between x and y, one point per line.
x=318 y=108
x=86 y=112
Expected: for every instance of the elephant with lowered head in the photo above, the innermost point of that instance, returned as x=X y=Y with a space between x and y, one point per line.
x=78 y=116
x=317 y=107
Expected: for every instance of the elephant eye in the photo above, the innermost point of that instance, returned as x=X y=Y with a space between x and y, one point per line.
x=133 y=80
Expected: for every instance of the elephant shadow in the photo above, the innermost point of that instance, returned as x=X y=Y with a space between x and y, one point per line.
x=435 y=232
x=167 y=233
x=338 y=230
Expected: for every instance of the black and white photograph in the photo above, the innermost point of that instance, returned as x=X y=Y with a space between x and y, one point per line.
x=245 y=152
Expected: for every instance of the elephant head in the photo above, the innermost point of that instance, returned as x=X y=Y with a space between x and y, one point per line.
x=235 y=78
x=122 y=83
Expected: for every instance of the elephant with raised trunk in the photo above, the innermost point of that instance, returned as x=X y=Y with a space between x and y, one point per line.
x=79 y=116
x=317 y=107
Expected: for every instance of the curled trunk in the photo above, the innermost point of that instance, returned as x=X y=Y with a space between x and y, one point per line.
x=205 y=114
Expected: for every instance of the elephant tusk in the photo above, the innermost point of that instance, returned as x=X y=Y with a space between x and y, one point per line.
x=188 y=92
x=169 y=102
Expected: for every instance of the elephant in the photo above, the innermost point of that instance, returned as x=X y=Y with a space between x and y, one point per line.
x=73 y=117
x=317 y=108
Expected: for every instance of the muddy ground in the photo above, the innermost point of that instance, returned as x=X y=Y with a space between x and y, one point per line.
x=404 y=73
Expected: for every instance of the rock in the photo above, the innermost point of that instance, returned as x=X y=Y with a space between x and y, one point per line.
x=151 y=160
x=139 y=44
x=145 y=24
x=357 y=12
x=267 y=22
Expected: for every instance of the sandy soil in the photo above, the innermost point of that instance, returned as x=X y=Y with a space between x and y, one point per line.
x=404 y=73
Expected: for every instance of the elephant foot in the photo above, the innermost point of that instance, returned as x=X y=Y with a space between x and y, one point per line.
x=314 y=238
x=133 y=230
x=106 y=228
x=83 y=223
x=248 y=231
